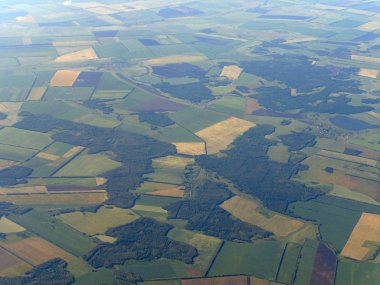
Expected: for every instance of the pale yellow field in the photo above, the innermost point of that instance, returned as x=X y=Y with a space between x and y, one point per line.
x=37 y=93
x=347 y=157
x=293 y=92
x=36 y=250
x=220 y=135
x=110 y=19
x=301 y=40
x=56 y=199
x=105 y=238
x=100 y=181
x=371 y=73
x=248 y=211
x=172 y=161
x=367 y=229
x=374 y=114
x=74 y=43
x=99 y=222
x=231 y=72
x=11 y=109
x=64 y=78
x=6 y=163
x=8 y=226
x=73 y=151
x=366 y=58
x=191 y=148
x=150 y=187
x=175 y=59
x=82 y=55
x=48 y=156
x=101 y=10
x=175 y=192
x=370 y=26
x=24 y=190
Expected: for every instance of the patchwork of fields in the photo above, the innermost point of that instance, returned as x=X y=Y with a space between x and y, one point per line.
x=185 y=143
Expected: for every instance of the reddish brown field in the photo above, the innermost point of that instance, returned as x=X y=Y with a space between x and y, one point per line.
x=324 y=266
x=36 y=250
x=229 y=280
x=251 y=105
x=7 y=259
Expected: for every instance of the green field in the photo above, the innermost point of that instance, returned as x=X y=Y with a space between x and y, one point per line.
x=306 y=262
x=24 y=138
x=16 y=153
x=369 y=140
x=157 y=269
x=97 y=223
x=260 y=259
x=41 y=223
x=355 y=273
x=207 y=246
x=288 y=265
x=88 y=165
x=231 y=105
x=204 y=118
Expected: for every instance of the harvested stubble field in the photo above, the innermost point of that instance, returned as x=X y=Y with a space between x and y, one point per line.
x=64 y=78
x=366 y=230
x=37 y=93
x=82 y=55
x=248 y=211
x=7 y=226
x=220 y=135
x=232 y=72
x=175 y=59
x=371 y=73
x=191 y=148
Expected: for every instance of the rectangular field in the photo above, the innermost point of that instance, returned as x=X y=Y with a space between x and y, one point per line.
x=36 y=250
x=64 y=78
x=82 y=55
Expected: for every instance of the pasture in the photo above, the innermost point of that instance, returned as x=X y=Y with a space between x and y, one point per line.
x=261 y=259
x=105 y=218
x=53 y=230
x=24 y=138
x=207 y=246
x=88 y=165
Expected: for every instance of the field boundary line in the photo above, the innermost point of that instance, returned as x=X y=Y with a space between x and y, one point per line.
x=67 y=162
x=214 y=258
x=14 y=254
